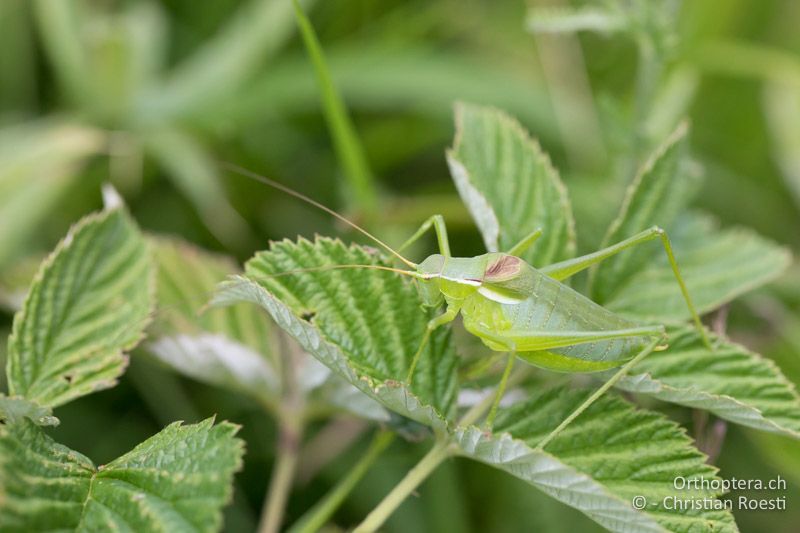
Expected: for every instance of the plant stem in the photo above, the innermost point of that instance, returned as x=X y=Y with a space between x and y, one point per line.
x=428 y=464
x=288 y=451
x=478 y=410
x=327 y=444
x=316 y=517
x=291 y=423
x=501 y=389
x=397 y=496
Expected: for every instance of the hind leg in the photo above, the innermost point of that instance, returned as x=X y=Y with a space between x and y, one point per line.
x=565 y=269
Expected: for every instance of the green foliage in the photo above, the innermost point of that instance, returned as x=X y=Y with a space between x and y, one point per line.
x=225 y=347
x=88 y=305
x=509 y=185
x=135 y=93
x=366 y=326
x=234 y=347
x=314 y=308
x=15 y=408
x=732 y=382
x=114 y=76
x=609 y=454
x=719 y=265
x=660 y=191
x=176 y=480
x=348 y=147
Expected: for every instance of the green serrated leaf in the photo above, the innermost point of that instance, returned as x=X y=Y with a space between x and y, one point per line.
x=364 y=325
x=660 y=191
x=599 y=463
x=177 y=480
x=187 y=277
x=718 y=266
x=731 y=382
x=509 y=185
x=89 y=303
x=231 y=347
x=15 y=408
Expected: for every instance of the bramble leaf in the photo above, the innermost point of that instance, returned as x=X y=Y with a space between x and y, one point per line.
x=364 y=325
x=225 y=347
x=89 y=303
x=731 y=382
x=599 y=463
x=177 y=480
x=509 y=185
x=232 y=347
x=718 y=266
x=660 y=191
x=15 y=408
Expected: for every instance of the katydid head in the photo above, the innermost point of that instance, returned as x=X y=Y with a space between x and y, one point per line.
x=427 y=283
x=451 y=277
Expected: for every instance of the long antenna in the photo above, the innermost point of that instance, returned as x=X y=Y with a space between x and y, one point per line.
x=320 y=269
x=263 y=179
x=336 y=267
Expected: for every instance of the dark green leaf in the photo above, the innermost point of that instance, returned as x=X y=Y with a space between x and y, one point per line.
x=660 y=191
x=609 y=454
x=509 y=185
x=363 y=324
x=731 y=382
x=88 y=305
x=177 y=480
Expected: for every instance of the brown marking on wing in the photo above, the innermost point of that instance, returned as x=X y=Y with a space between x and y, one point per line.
x=504 y=268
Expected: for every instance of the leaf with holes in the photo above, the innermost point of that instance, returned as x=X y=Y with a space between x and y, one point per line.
x=509 y=185
x=599 y=463
x=177 y=480
x=731 y=382
x=364 y=325
x=88 y=305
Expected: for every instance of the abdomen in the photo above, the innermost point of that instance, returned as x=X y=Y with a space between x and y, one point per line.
x=552 y=307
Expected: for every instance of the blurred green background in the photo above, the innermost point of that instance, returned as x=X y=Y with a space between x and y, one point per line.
x=152 y=96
